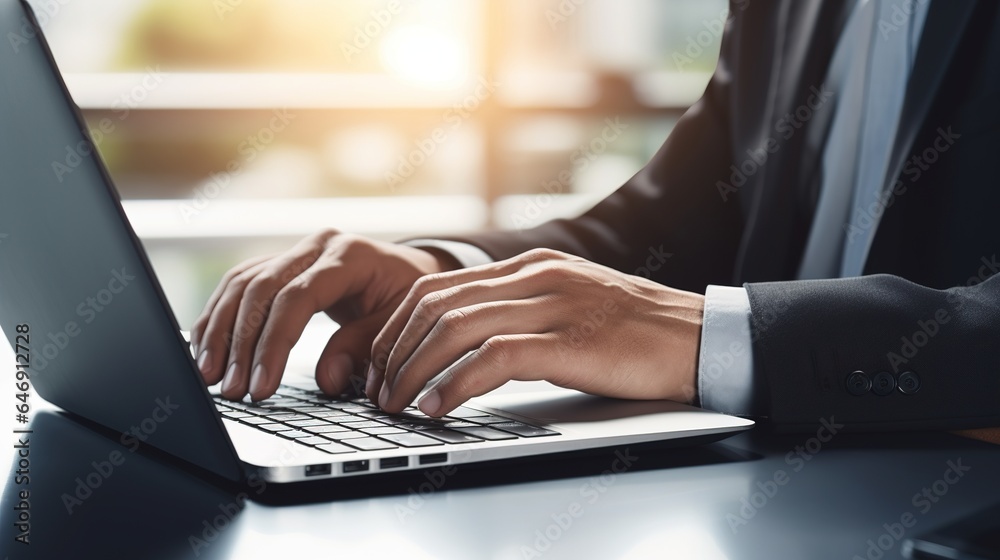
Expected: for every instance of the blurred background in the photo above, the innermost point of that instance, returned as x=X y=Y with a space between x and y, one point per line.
x=235 y=127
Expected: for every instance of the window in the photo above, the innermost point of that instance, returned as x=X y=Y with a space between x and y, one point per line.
x=233 y=127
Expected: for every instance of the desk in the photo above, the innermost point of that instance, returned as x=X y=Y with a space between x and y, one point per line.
x=681 y=503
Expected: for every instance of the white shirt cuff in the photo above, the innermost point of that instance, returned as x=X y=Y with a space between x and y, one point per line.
x=725 y=364
x=467 y=255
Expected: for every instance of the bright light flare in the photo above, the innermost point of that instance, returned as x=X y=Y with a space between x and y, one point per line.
x=425 y=56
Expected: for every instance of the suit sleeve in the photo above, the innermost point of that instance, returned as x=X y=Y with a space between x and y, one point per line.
x=929 y=354
x=671 y=207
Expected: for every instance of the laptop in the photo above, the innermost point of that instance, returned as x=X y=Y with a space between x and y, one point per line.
x=84 y=311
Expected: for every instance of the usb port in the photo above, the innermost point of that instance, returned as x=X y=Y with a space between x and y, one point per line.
x=394 y=462
x=434 y=458
x=318 y=470
x=355 y=466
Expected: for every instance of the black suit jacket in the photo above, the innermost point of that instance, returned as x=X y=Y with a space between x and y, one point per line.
x=929 y=302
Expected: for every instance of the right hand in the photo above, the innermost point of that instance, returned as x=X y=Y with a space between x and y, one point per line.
x=260 y=308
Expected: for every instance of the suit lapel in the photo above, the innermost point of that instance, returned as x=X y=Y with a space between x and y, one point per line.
x=808 y=32
x=946 y=21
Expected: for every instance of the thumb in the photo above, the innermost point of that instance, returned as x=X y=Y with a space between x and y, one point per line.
x=344 y=362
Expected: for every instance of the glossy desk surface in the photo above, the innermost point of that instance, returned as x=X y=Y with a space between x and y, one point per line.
x=757 y=495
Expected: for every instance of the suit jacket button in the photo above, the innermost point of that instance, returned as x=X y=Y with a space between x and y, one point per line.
x=909 y=383
x=858 y=383
x=883 y=383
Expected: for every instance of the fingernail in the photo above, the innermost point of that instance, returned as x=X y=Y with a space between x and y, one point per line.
x=431 y=402
x=203 y=362
x=257 y=379
x=383 y=396
x=370 y=381
x=229 y=383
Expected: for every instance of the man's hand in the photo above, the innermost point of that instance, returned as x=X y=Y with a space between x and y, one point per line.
x=540 y=315
x=261 y=307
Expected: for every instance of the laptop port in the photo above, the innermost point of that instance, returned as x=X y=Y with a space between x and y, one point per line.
x=318 y=470
x=434 y=458
x=355 y=466
x=394 y=462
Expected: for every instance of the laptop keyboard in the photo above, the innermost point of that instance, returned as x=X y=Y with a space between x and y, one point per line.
x=336 y=426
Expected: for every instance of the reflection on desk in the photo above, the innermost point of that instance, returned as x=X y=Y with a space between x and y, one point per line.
x=754 y=496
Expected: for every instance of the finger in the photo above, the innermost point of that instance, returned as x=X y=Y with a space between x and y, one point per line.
x=499 y=360
x=344 y=361
x=214 y=345
x=199 y=325
x=456 y=333
x=255 y=307
x=318 y=288
x=431 y=283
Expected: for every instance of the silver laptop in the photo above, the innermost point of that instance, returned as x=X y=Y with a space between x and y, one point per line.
x=82 y=308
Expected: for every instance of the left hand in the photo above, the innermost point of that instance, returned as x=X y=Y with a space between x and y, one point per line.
x=540 y=315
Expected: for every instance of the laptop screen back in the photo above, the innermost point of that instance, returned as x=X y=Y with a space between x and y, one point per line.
x=102 y=340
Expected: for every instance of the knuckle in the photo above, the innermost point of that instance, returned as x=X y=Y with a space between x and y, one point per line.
x=550 y=272
x=324 y=235
x=543 y=254
x=454 y=322
x=295 y=290
x=497 y=352
x=425 y=284
x=431 y=304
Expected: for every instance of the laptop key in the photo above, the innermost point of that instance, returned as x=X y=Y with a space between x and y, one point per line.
x=460 y=424
x=274 y=427
x=295 y=434
x=523 y=429
x=362 y=424
x=335 y=448
x=307 y=423
x=255 y=420
x=383 y=430
x=333 y=415
x=286 y=416
x=324 y=429
x=314 y=440
x=488 y=420
x=486 y=433
x=410 y=440
x=465 y=412
x=235 y=414
x=449 y=436
x=370 y=444
x=346 y=435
